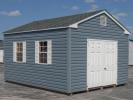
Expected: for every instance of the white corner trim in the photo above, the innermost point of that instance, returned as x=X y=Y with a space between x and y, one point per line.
x=127 y=32
x=75 y=25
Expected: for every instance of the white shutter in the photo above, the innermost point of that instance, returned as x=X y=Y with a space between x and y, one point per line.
x=37 y=52
x=14 y=51
x=49 y=53
x=24 y=51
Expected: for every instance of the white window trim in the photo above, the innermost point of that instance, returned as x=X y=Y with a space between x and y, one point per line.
x=49 y=52
x=15 y=52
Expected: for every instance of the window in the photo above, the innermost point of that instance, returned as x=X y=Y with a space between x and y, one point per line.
x=19 y=51
x=103 y=20
x=43 y=52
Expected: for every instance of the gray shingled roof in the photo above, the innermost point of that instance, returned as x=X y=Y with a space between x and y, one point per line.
x=52 y=23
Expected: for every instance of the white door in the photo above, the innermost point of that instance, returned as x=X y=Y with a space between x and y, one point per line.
x=101 y=62
x=1 y=56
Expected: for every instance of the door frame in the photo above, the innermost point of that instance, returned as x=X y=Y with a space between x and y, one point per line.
x=116 y=76
x=2 y=56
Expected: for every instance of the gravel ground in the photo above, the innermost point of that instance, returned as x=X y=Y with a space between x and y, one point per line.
x=9 y=91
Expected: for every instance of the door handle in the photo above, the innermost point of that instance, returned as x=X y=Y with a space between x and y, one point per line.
x=105 y=68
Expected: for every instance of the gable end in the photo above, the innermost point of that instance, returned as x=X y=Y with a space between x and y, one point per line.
x=75 y=25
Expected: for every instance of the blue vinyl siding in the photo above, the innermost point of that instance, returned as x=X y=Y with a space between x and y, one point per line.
x=68 y=71
x=52 y=76
x=93 y=30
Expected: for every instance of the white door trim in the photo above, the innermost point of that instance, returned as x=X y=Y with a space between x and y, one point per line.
x=1 y=56
x=116 y=76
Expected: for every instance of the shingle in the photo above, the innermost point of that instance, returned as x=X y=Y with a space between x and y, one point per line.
x=52 y=23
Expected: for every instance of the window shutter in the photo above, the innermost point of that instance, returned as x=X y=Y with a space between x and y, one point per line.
x=14 y=51
x=37 y=52
x=49 y=54
x=24 y=51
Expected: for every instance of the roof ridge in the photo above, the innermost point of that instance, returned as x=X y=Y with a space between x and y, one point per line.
x=70 y=15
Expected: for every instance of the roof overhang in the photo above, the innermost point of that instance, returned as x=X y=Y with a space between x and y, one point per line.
x=38 y=30
x=75 y=25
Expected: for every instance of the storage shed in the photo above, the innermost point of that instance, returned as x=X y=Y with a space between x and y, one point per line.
x=68 y=54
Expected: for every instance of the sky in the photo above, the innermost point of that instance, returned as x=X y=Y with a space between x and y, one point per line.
x=14 y=13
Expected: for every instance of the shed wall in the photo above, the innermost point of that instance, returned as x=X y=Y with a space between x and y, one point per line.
x=93 y=30
x=53 y=76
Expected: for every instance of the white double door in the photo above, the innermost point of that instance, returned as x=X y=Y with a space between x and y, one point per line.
x=101 y=62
